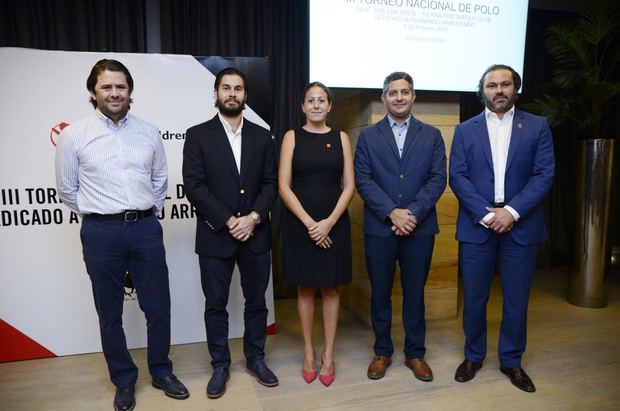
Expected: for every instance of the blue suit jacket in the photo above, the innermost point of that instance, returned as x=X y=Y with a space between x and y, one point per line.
x=529 y=175
x=386 y=181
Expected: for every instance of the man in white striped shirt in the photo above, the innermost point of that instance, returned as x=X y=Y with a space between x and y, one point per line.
x=111 y=170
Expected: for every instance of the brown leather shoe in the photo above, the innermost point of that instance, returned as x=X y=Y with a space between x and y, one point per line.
x=420 y=369
x=377 y=367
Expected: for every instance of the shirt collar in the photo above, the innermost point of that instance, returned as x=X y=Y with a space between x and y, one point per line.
x=228 y=127
x=393 y=122
x=491 y=116
x=122 y=122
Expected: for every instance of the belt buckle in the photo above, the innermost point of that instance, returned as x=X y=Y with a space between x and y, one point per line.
x=131 y=216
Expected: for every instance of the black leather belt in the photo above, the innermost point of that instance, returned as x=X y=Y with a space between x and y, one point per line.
x=129 y=216
x=499 y=205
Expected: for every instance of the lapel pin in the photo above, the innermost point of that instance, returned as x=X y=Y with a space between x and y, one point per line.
x=519 y=125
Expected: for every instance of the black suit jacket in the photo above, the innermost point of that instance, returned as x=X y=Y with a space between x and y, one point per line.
x=217 y=190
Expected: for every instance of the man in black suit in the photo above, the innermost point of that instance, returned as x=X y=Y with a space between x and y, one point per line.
x=229 y=175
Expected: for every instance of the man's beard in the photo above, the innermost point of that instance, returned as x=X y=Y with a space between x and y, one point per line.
x=500 y=107
x=229 y=111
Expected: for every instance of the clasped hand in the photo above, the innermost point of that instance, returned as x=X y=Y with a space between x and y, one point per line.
x=319 y=233
x=502 y=221
x=403 y=221
x=241 y=228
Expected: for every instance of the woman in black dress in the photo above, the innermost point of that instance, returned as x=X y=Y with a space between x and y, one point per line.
x=316 y=183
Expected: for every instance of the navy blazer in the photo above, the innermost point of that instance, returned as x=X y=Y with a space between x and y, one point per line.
x=386 y=180
x=217 y=190
x=529 y=174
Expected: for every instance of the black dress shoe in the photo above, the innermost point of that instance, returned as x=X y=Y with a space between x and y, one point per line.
x=217 y=384
x=467 y=370
x=171 y=386
x=125 y=399
x=519 y=378
x=263 y=375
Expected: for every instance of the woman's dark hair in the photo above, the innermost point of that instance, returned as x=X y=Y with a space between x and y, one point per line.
x=319 y=85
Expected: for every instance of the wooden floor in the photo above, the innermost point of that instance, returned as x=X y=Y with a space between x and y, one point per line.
x=573 y=357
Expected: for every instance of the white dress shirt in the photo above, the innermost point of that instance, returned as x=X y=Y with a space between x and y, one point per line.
x=105 y=168
x=234 y=138
x=500 y=131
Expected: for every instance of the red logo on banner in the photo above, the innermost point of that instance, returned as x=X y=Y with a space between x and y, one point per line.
x=56 y=131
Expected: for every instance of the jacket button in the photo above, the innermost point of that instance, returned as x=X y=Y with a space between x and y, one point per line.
x=242 y=191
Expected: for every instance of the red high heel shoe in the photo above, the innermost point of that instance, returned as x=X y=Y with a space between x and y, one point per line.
x=309 y=376
x=327 y=379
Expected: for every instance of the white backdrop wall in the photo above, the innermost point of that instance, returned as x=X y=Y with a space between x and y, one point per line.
x=45 y=292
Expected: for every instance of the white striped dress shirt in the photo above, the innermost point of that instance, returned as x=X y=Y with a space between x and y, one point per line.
x=106 y=169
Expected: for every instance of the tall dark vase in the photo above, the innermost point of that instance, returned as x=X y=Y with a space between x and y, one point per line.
x=592 y=232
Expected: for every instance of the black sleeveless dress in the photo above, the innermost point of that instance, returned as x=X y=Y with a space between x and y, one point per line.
x=316 y=181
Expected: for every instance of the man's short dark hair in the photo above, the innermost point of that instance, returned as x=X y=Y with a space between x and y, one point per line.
x=397 y=75
x=319 y=85
x=100 y=67
x=230 y=71
x=516 y=79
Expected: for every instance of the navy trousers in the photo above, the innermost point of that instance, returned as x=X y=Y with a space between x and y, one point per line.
x=216 y=274
x=110 y=248
x=516 y=265
x=414 y=258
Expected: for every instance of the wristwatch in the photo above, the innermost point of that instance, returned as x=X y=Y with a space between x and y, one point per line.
x=256 y=217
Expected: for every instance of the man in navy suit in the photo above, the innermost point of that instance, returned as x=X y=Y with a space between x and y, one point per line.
x=229 y=176
x=501 y=167
x=400 y=172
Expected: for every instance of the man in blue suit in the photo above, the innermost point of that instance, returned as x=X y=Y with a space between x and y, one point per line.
x=400 y=172
x=501 y=167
